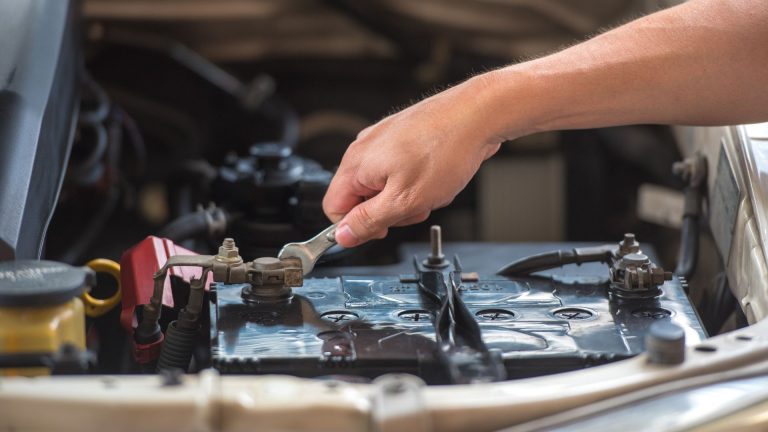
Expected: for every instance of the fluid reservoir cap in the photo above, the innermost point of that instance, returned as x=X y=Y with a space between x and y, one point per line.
x=41 y=283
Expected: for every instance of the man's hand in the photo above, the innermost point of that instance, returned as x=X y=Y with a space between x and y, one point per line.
x=400 y=169
x=703 y=62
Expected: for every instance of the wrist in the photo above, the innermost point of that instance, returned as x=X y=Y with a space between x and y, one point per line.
x=509 y=105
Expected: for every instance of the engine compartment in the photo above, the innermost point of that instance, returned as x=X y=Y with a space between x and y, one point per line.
x=195 y=153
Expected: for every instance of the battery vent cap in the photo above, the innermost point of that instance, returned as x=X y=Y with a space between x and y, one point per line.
x=26 y=283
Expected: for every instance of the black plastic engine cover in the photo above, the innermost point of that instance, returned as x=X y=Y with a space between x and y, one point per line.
x=39 y=97
x=370 y=325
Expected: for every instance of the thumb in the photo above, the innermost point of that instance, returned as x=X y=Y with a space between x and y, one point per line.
x=368 y=220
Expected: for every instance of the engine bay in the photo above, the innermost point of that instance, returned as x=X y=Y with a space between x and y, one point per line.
x=160 y=239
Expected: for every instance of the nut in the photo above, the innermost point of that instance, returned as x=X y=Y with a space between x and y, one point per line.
x=228 y=252
x=629 y=245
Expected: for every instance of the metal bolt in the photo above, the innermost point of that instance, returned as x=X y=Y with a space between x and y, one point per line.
x=436 y=241
x=629 y=245
x=436 y=257
x=228 y=251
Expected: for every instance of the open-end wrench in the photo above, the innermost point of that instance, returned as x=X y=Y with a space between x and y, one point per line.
x=311 y=250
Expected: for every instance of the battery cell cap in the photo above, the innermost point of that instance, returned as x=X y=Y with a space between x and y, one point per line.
x=41 y=283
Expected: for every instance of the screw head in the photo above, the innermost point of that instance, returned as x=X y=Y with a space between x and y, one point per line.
x=339 y=316
x=415 y=315
x=573 y=313
x=651 y=312
x=495 y=315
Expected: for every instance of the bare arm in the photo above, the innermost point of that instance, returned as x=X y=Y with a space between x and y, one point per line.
x=704 y=62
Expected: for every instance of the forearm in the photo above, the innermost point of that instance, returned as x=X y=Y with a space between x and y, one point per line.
x=704 y=62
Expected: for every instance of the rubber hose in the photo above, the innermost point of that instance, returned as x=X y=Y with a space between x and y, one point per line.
x=689 y=247
x=538 y=262
x=688 y=254
x=177 y=348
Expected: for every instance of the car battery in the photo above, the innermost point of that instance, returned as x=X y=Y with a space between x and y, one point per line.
x=362 y=322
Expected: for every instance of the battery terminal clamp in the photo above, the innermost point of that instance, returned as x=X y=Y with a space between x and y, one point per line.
x=632 y=274
x=268 y=280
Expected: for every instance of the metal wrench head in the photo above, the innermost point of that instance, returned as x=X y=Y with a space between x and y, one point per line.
x=311 y=250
